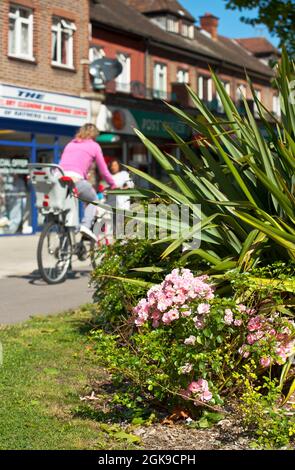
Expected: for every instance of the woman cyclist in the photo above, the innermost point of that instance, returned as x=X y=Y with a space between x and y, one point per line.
x=76 y=161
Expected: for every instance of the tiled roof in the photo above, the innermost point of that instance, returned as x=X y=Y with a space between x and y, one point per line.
x=258 y=45
x=119 y=15
x=153 y=6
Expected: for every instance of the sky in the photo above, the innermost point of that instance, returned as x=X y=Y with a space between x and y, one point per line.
x=229 y=21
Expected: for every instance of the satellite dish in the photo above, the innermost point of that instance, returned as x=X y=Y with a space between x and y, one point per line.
x=104 y=70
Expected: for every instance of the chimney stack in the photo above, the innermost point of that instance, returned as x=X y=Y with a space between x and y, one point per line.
x=209 y=23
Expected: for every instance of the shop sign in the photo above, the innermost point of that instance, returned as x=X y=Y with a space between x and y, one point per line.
x=52 y=108
x=151 y=124
x=15 y=166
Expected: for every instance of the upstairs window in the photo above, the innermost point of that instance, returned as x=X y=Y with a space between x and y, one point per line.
x=227 y=88
x=160 y=21
x=276 y=107
x=20 y=36
x=241 y=92
x=62 y=53
x=183 y=76
x=187 y=30
x=205 y=88
x=172 y=25
x=160 y=81
x=96 y=52
x=123 y=81
x=259 y=97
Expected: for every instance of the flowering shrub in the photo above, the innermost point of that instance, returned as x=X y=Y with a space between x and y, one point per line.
x=206 y=337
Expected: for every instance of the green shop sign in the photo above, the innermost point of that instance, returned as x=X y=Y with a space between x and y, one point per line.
x=116 y=120
x=152 y=124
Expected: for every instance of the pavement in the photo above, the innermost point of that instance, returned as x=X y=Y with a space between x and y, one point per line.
x=23 y=293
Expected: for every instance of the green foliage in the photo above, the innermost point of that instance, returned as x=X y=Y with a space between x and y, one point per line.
x=277 y=15
x=242 y=174
x=116 y=298
x=259 y=404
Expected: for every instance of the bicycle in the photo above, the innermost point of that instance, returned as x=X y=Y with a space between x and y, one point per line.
x=58 y=203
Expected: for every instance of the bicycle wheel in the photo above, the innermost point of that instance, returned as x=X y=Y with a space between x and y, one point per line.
x=54 y=253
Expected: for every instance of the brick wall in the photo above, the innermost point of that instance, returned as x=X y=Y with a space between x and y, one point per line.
x=113 y=43
x=41 y=74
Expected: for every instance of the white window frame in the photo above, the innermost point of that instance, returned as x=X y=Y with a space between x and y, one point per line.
x=60 y=25
x=241 y=91
x=191 y=31
x=185 y=29
x=276 y=106
x=18 y=22
x=123 y=81
x=160 y=80
x=201 y=87
x=227 y=87
x=209 y=90
x=172 y=25
x=96 y=52
x=259 y=97
x=183 y=76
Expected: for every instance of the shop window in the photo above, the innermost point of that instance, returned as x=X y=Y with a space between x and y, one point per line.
x=15 y=211
x=62 y=42
x=20 y=33
x=183 y=76
x=123 y=81
x=160 y=81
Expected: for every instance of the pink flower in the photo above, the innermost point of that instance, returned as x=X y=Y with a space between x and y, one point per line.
x=186 y=313
x=255 y=323
x=251 y=338
x=238 y=322
x=265 y=361
x=250 y=311
x=200 y=386
x=203 y=308
x=242 y=308
x=244 y=351
x=206 y=396
x=228 y=317
x=190 y=341
x=199 y=324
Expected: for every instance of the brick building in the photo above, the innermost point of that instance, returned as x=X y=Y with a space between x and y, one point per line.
x=161 y=50
x=43 y=72
x=46 y=91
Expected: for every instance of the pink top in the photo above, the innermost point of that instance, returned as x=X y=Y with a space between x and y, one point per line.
x=79 y=155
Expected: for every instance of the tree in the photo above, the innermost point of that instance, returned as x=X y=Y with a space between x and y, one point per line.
x=277 y=15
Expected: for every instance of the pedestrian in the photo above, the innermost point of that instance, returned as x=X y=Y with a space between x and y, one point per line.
x=122 y=180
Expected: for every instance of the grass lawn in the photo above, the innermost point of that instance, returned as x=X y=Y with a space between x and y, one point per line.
x=44 y=372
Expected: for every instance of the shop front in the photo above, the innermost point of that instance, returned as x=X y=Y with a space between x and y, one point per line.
x=127 y=147
x=34 y=127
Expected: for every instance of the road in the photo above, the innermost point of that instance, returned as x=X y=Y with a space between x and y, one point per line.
x=23 y=293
